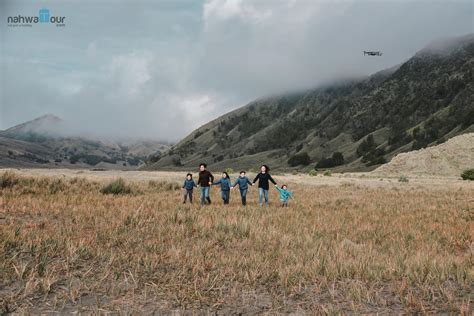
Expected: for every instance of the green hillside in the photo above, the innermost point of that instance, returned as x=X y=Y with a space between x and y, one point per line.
x=352 y=125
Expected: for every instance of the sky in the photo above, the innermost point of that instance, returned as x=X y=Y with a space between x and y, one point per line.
x=159 y=69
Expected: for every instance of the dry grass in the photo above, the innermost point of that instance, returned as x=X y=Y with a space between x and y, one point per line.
x=65 y=246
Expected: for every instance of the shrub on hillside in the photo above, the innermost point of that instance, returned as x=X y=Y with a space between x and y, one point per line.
x=336 y=159
x=73 y=159
x=219 y=158
x=154 y=157
x=177 y=161
x=197 y=134
x=468 y=174
x=376 y=161
x=133 y=161
x=367 y=145
x=313 y=173
x=92 y=160
x=302 y=159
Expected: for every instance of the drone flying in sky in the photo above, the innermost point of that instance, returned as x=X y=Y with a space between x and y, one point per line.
x=372 y=53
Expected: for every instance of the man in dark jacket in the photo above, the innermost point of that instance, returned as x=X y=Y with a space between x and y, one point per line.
x=205 y=181
x=263 y=177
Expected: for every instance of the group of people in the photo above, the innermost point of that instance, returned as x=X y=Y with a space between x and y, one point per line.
x=206 y=180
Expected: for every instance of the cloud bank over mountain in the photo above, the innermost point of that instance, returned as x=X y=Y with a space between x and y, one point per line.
x=161 y=69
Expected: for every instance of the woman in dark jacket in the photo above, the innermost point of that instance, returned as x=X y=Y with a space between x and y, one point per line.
x=205 y=180
x=263 y=177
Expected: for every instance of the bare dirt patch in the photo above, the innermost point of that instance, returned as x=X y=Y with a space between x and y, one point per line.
x=448 y=159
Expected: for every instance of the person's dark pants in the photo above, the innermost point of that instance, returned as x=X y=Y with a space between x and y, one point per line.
x=243 y=195
x=188 y=193
x=225 y=196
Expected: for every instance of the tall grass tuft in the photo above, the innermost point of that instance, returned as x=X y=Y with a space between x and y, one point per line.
x=116 y=187
x=403 y=179
x=8 y=179
x=468 y=174
x=163 y=185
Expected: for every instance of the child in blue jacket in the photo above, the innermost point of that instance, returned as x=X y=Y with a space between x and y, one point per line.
x=285 y=195
x=225 y=187
x=243 y=182
x=188 y=187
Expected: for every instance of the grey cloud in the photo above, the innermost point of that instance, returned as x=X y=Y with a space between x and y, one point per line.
x=160 y=69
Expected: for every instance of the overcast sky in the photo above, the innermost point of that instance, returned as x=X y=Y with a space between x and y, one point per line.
x=159 y=69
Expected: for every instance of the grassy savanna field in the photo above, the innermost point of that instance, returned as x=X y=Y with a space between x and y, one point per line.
x=347 y=243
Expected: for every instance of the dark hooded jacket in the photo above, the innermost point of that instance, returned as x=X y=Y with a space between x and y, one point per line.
x=204 y=178
x=263 y=179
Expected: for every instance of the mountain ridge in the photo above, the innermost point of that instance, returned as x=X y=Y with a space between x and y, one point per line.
x=46 y=142
x=421 y=102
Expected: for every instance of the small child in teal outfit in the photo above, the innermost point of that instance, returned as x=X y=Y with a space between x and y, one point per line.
x=285 y=195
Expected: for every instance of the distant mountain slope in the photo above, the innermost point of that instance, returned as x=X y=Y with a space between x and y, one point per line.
x=355 y=125
x=36 y=129
x=16 y=153
x=448 y=159
x=42 y=143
